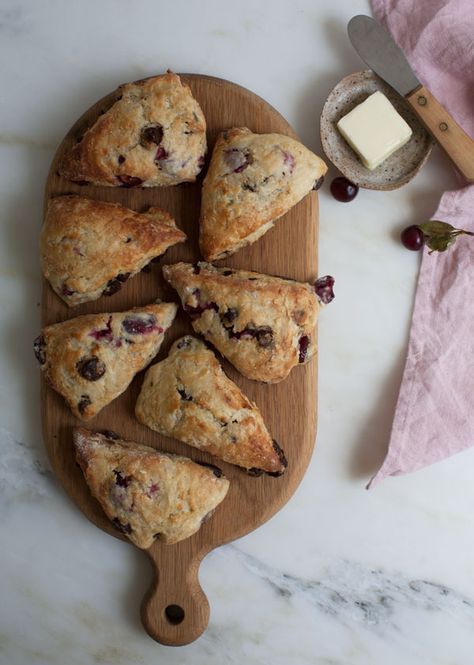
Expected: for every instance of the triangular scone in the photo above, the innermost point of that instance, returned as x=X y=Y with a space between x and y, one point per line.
x=252 y=180
x=154 y=135
x=146 y=494
x=188 y=397
x=263 y=325
x=92 y=359
x=90 y=248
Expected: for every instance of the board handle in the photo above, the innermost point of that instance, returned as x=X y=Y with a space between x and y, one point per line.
x=452 y=138
x=175 y=610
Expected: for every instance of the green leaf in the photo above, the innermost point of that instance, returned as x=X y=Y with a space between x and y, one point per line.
x=436 y=228
x=440 y=243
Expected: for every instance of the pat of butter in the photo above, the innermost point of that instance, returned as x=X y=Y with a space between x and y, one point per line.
x=374 y=130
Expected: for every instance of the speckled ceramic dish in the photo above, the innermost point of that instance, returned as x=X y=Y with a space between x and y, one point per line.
x=396 y=170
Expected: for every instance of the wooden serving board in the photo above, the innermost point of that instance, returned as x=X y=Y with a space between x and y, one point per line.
x=289 y=408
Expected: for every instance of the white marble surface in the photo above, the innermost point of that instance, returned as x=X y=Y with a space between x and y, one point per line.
x=341 y=576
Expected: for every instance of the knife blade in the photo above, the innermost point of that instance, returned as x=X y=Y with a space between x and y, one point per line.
x=377 y=48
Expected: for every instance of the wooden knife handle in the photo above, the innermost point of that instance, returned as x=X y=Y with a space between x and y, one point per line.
x=455 y=142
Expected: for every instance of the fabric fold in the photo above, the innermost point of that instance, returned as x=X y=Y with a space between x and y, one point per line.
x=433 y=417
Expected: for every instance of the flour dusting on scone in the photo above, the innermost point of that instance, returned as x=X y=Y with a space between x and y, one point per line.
x=252 y=180
x=153 y=135
x=188 y=397
x=90 y=360
x=263 y=325
x=91 y=248
x=148 y=495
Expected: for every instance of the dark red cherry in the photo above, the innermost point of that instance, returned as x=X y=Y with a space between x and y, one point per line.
x=324 y=287
x=303 y=348
x=412 y=238
x=136 y=326
x=343 y=189
x=129 y=180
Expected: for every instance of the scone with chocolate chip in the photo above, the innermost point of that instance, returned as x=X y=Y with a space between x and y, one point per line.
x=253 y=179
x=148 y=495
x=90 y=360
x=188 y=397
x=263 y=325
x=91 y=248
x=154 y=135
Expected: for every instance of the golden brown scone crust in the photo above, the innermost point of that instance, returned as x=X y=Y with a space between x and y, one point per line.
x=154 y=135
x=263 y=325
x=92 y=359
x=188 y=397
x=252 y=180
x=88 y=247
x=147 y=494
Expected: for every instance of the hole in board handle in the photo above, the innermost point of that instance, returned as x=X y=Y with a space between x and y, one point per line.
x=174 y=614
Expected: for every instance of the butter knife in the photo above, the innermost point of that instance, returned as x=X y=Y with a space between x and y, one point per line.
x=377 y=48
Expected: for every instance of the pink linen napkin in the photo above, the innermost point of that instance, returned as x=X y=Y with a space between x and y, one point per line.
x=434 y=416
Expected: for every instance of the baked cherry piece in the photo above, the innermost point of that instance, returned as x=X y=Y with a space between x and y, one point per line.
x=318 y=184
x=412 y=238
x=343 y=189
x=129 y=180
x=324 y=287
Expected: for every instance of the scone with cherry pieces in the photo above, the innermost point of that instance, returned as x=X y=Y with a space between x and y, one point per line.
x=91 y=248
x=263 y=325
x=154 y=135
x=252 y=180
x=188 y=397
x=91 y=359
x=148 y=495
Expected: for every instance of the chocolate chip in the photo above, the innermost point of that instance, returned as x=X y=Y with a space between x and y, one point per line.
x=229 y=316
x=184 y=343
x=152 y=134
x=280 y=453
x=121 y=159
x=264 y=336
x=226 y=273
x=122 y=481
x=123 y=528
x=123 y=276
x=39 y=347
x=113 y=286
x=83 y=404
x=254 y=472
x=184 y=395
x=91 y=369
x=110 y=434
x=215 y=469
x=318 y=183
